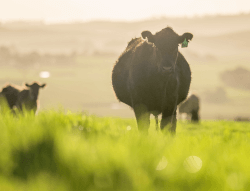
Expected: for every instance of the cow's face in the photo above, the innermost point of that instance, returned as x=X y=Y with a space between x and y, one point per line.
x=167 y=41
x=34 y=89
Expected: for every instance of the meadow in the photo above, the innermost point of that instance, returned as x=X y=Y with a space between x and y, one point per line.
x=87 y=85
x=64 y=150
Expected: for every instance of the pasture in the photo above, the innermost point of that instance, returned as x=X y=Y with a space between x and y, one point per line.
x=87 y=86
x=63 y=150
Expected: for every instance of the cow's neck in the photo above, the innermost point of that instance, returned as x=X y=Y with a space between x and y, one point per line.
x=33 y=96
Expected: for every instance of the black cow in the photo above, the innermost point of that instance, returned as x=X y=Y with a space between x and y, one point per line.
x=28 y=98
x=191 y=106
x=153 y=77
x=9 y=96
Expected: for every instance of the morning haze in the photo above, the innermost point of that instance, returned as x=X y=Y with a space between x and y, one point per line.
x=129 y=10
x=79 y=57
x=75 y=59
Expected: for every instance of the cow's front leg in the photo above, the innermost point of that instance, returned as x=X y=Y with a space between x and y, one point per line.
x=168 y=121
x=142 y=117
x=195 y=116
x=156 y=122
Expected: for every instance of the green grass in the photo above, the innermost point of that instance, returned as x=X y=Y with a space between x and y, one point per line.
x=55 y=150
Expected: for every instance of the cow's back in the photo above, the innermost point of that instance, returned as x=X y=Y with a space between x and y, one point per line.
x=189 y=105
x=120 y=72
x=11 y=95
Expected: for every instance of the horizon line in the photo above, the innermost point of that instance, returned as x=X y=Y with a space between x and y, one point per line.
x=63 y=21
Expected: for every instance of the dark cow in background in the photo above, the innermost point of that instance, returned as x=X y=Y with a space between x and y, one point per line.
x=28 y=98
x=9 y=96
x=191 y=106
x=153 y=77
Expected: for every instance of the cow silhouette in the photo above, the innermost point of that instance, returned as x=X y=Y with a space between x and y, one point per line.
x=8 y=96
x=191 y=106
x=153 y=77
x=28 y=98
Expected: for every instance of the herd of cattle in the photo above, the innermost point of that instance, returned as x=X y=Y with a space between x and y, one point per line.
x=151 y=76
x=19 y=98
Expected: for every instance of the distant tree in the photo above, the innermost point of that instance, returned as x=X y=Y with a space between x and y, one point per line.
x=5 y=55
x=238 y=78
x=24 y=61
x=219 y=95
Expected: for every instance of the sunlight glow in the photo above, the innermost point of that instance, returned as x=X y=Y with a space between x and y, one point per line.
x=236 y=181
x=115 y=106
x=129 y=128
x=80 y=128
x=162 y=164
x=192 y=164
x=44 y=74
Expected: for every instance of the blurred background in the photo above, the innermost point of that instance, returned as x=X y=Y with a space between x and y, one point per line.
x=73 y=45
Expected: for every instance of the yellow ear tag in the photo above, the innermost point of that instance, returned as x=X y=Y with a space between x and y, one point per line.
x=184 y=44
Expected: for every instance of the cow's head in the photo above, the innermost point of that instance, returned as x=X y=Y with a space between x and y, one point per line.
x=167 y=41
x=34 y=89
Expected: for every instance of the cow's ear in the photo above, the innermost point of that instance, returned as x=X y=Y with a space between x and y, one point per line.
x=43 y=85
x=27 y=85
x=148 y=35
x=187 y=36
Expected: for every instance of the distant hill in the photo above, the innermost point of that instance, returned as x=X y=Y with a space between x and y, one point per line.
x=238 y=78
x=206 y=25
x=213 y=35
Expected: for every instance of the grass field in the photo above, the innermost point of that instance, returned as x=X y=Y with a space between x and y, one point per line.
x=87 y=86
x=61 y=150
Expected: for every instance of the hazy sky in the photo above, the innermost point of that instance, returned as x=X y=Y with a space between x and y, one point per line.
x=75 y=10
